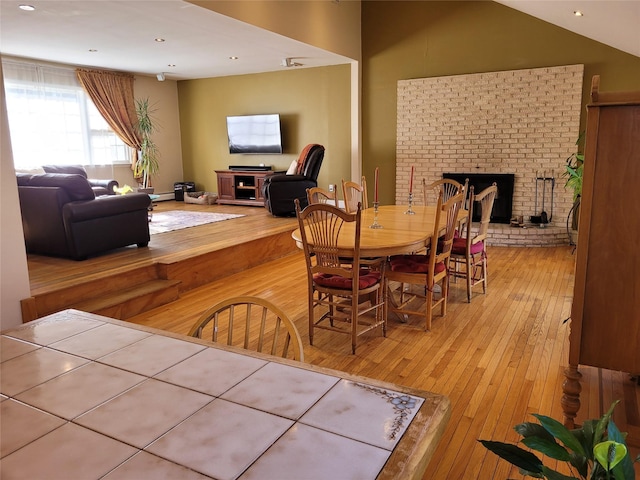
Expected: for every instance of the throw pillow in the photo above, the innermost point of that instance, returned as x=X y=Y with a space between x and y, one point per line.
x=293 y=167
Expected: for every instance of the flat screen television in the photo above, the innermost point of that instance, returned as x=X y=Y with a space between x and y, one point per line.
x=254 y=133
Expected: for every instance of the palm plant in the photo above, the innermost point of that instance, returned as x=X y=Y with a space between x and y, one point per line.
x=147 y=164
x=596 y=451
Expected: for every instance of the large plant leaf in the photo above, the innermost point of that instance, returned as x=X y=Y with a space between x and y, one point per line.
x=553 y=475
x=548 y=447
x=530 y=429
x=514 y=455
x=580 y=463
x=585 y=435
x=561 y=432
x=602 y=424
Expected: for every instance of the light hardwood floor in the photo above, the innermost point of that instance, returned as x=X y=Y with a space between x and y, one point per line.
x=499 y=358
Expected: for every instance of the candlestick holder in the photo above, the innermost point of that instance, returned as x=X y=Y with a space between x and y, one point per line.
x=410 y=210
x=375 y=223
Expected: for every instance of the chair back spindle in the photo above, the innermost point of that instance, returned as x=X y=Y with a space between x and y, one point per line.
x=252 y=323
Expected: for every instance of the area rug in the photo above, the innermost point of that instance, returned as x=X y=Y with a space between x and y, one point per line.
x=163 y=222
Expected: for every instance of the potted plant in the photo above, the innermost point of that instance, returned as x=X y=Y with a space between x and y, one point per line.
x=573 y=171
x=595 y=451
x=147 y=164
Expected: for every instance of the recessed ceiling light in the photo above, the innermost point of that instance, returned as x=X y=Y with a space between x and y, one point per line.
x=233 y=58
x=92 y=50
x=27 y=8
x=172 y=65
x=578 y=13
x=159 y=40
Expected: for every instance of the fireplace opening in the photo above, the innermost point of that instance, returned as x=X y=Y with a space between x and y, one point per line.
x=503 y=204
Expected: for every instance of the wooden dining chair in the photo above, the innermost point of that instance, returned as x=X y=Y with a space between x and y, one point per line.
x=354 y=193
x=320 y=195
x=470 y=250
x=252 y=323
x=346 y=295
x=425 y=270
x=449 y=188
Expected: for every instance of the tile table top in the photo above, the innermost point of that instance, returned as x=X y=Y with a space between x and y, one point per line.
x=85 y=396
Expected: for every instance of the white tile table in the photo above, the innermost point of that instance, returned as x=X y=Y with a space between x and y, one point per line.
x=89 y=397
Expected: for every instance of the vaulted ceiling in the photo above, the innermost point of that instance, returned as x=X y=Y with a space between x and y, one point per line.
x=199 y=43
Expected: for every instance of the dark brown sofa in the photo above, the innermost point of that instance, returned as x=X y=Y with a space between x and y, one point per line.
x=61 y=216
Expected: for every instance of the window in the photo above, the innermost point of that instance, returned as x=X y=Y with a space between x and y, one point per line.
x=53 y=121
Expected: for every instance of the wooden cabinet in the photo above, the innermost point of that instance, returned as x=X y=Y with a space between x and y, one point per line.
x=605 y=314
x=241 y=187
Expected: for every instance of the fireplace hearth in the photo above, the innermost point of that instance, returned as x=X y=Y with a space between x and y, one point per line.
x=503 y=205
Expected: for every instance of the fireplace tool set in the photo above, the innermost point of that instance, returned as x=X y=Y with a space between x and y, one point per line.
x=543 y=183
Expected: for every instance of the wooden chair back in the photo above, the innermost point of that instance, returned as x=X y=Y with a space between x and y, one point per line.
x=484 y=200
x=447 y=186
x=252 y=323
x=320 y=195
x=354 y=193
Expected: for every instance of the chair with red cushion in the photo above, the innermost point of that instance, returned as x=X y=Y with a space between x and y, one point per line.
x=425 y=271
x=470 y=250
x=346 y=294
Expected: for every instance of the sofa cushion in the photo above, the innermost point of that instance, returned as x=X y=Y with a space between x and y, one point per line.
x=76 y=186
x=105 y=206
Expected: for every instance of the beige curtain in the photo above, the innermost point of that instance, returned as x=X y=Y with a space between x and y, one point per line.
x=112 y=94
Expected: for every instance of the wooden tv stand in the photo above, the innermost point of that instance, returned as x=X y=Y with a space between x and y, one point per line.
x=241 y=187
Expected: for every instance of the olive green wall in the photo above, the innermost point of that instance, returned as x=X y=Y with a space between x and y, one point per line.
x=419 y=39
x=314 y=107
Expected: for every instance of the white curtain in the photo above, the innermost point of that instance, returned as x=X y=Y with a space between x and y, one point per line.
x=51 y=120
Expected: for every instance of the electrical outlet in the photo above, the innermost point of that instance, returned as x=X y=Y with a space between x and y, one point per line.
x=331 y=187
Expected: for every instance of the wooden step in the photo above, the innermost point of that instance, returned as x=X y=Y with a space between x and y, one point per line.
x=76 y=291
x=131 y=301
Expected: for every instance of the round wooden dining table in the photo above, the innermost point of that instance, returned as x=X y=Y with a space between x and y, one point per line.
x=400 y=232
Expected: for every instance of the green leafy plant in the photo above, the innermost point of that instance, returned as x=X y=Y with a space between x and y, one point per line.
x=147 y=164
x=574 y=168
x=595 y=451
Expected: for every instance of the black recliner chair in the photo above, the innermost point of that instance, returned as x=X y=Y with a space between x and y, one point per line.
x=280 y=190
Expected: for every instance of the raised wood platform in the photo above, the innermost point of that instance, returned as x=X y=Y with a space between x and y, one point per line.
x=131 y=280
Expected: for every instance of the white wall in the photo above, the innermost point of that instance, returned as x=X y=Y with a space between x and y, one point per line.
x=14 y=275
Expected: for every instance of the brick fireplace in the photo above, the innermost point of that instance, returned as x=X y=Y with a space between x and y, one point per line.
x=521 y=122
